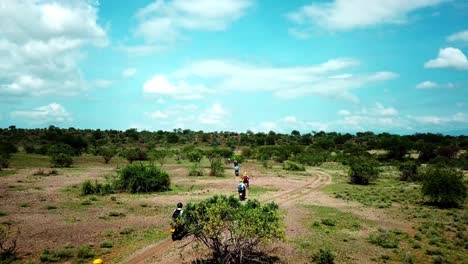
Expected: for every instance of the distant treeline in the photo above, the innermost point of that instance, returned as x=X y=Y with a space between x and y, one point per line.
x=426 y=147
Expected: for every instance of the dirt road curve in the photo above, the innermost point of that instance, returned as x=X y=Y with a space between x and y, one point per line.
x=161 y=252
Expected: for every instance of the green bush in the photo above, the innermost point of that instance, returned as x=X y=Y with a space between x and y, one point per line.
x=85 y=252
x=57 y=255
x=4 y=162
x=139 y=178
x=216 y=167
x=107 y=154
x=363 y=170
x=324 y=256
x=384 y=238
x=88 y=188
x=196 y=170
x=445 y=187
x=106 y=244
x=232 y=230
x=8 y=241
x=61 y=160
x=409 y=171
x=293 y=166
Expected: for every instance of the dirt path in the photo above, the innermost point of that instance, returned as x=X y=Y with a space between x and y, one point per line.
x=161 y=253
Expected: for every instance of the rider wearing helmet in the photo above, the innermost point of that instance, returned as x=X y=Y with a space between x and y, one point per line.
x=97 y=261
x=178 y=212
x=246 y=179
x=241 y=189
x=236 y=170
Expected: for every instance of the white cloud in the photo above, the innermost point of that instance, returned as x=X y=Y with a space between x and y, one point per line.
x=40 y=43
x=102 y=83
x=459 y=36
x=426 y=85
x=351 y=14
x=160 y=85
x=218 y=76
x=266 y=126
x=213 y=116
x=129 y=72
x=162 y=23
x=440 y=120
x=449 y=58
x=344 y=112
x=158 y=115
x=48 y=114
x=181 y=116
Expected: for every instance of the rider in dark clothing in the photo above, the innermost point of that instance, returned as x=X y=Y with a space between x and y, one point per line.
x=236 y=163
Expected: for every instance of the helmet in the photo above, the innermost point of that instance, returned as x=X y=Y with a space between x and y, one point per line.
x=97 y=261
x=245 y=173
x=240 y=180
x=179 y=205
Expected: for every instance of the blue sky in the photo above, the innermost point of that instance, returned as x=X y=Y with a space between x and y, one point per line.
x=344 y=65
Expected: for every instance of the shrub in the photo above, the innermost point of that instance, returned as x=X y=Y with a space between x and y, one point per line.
x=232 y=231
x=135 y=154
x=106 y=244
x=362 y=170
x=246 y=152
x=196 y=170
x=216 y=167
x=8 y=240
x=56 y=255
x=4 y=163
x=138 y=178
x=324 y=256
x=384 y=238
x=60 y=149
x=293 y=166
x=444 y=186
x=61 y=160
x=85 y=252
x=409 y=171
x=88 y=188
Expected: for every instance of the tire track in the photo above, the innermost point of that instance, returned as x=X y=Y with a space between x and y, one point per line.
x=320 y=179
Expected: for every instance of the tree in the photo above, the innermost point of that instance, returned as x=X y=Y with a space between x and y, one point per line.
x=363 y=170
x=233 y=231
x=159 y=155
x=444 y=186
x=107 y=154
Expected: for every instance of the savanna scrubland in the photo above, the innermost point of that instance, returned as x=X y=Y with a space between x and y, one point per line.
x=71 y=195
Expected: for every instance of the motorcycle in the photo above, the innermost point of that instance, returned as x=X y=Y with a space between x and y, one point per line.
x=178 y=232
x=242 y=195
x=237 y=173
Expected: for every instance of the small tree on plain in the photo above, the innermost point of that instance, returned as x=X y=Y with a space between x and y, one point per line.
x=159 y=155
x=363 y=170
x=445 y=187
x=233 y=231
x=61 y=160
x=107 y=154
x=139 y=178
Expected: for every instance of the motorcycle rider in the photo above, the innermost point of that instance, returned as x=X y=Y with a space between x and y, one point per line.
x=236 y=170
x=241 y=189
x=236 y=163
x=246 y=179
x=178 y=229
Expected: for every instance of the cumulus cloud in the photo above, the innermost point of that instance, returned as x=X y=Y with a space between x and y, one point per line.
x=426 y=85
x=163 y=23
x=181 y=116
x=160 y=85
x=40 y=43
x=284 y=82
x=48 y=114
x=461 y=36
x=350 y=14
x=440 y=120
x=129 y=72
x=213 y=116
x=449 y=58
